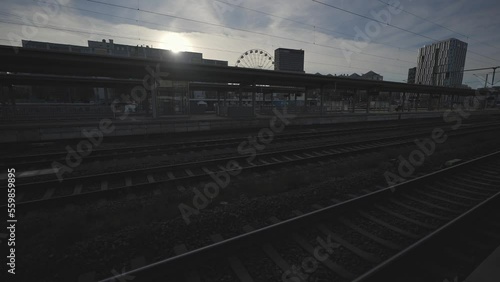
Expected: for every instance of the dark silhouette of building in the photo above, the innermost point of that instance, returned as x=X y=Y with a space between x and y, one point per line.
x=412 y=72
x=289 y=60
x=113 y=49
x=442 y=63
x=369 y=75
x=372 y=76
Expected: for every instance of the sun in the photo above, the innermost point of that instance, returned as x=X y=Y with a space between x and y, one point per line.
x=176 y=42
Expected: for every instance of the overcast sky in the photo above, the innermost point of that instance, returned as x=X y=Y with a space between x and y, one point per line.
x=335 y=40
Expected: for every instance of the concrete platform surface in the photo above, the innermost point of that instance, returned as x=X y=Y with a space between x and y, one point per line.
x=488 y=270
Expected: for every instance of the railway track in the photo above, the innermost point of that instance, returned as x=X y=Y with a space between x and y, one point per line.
x=41 y=161
x=361 y=239
x=153 y=179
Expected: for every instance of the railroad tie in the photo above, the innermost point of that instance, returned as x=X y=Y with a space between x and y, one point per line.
x=469 y=182
x=189 y=172
x=415 y=199
x=104 y=185
x=128 y=181
x=235 y=263
x=397 y=202
x=463 y=190
x=333 y=266
x=170 y=175
x=486 y=171
x=441 y=198
x=48 y=193
x=485 y=188
x=151 y=179
x=383 y=242
x=445 y=191
x=319 y=154
x=192 y=275
x=206 y=170
x=271 y=252
x=363 y=254
x=405 y=218
x=78 y=189
x=388 y=225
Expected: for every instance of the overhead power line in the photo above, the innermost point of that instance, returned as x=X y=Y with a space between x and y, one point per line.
x=435 y=23
x=391 y=25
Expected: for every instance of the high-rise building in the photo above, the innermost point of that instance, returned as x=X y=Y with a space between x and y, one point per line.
x=289 y=60
x=442 y=63
x=411 y=75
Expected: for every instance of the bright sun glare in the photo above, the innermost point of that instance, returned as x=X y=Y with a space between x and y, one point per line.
x=175 y=42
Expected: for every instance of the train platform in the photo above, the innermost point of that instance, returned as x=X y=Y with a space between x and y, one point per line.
x=488 y=270
x=50 y=130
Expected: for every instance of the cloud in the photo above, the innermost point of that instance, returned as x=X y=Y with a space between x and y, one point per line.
x=317 y=29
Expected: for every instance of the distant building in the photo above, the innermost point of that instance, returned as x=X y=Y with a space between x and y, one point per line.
x=372 y=75
x=110 y=48
x=289 y=60
x=442 y=63
x=411 y=75
x=369 y=75
x=55 y=46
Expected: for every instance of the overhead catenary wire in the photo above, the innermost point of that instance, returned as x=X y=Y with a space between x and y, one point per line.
x=151 y=40
x=238 y=29
x=223 y=50
x=306 y=42
x=391 y=25
x=435 y=23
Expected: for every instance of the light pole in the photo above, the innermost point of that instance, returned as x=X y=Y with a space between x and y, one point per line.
x=485 y=80
x=493 y=78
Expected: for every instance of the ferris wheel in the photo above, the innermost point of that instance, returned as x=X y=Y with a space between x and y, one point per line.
x=255 y=59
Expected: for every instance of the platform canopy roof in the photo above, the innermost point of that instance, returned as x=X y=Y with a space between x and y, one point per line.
x=88 y=67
